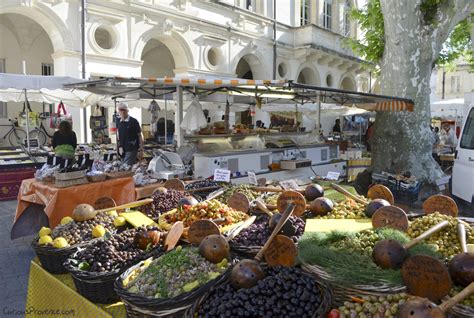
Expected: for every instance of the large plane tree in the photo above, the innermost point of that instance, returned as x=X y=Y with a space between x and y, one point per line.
x=405 y=39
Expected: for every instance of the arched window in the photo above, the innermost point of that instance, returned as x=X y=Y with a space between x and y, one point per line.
x=346 y=23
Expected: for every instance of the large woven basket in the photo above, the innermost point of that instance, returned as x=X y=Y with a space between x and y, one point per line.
x=179 y=306
x=344 y=293
x=51 y=258
x=96 y=286
x=324 y=288
x=119 y=174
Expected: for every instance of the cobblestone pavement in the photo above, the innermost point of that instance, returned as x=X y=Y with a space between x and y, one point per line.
x=15 y=257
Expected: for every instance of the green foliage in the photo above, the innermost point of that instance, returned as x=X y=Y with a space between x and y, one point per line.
x=457 y=47
x=370 y=21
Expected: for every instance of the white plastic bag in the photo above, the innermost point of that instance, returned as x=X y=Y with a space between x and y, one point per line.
x=194 y=118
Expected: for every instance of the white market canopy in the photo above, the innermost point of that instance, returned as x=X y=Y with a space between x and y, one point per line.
x=448 y=108
x=47 y=89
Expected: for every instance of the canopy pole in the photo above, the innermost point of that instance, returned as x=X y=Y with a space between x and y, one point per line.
x=166 y=120
x=318 y=114
x=179 y=117
x=27 y=123
x=83 y=60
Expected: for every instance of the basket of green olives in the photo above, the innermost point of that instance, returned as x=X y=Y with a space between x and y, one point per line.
x=169 y=285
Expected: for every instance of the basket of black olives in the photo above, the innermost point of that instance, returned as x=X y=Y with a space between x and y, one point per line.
x=251 y=239
x=282 y=292
x=53 y=247
x=95 y=268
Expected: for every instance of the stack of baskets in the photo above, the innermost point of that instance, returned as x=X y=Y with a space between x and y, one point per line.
x=67 y=179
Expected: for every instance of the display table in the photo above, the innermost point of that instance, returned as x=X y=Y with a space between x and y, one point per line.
x=55 y=296
x=60 y=202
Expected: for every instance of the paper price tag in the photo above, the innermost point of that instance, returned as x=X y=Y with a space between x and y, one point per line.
x=222 y=175
x=332 y=175
x=252 y=177
x=289 y=184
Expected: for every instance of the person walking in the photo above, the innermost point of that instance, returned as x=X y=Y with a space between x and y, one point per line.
x=64 y=141
x=129 y=136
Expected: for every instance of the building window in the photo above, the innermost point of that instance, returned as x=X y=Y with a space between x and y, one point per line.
x=327 y=14
x=250 y=5
x=3 y=105
x=455 y=84
x=346 y=23
x=305 y=12
x=47 y=69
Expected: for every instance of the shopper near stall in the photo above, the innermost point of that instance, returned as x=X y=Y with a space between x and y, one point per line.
x=130 y=139
x=448 y=138
x=368 y=135
x=337 y=126
x=64 y=141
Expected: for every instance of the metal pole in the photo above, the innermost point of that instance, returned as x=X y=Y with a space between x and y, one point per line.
x=274 y=40
x=318 y=114
x=83 y=59
x=443 y=84
x=166 y=120
x=27 y=123
x=179 y=117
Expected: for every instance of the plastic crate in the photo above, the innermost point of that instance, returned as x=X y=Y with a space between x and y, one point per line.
x=402 y=195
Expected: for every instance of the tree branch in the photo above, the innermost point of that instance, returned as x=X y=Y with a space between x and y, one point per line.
x=448 y=16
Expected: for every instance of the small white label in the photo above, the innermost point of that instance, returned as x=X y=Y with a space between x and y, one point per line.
x=442 y=187
x=252 y=177
x=332 y=175
x=289 y=184
x=222 y=175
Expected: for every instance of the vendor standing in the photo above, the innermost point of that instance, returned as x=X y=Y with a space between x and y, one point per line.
x=129 y=138
x=448 y=138
x=64 y=141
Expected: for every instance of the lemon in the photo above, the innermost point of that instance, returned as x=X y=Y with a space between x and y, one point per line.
x=45 y=239
x=66 y=220
x=112 y=213
x=60 y=242
x=44 y=231
x=119 y=221
x=98 y=231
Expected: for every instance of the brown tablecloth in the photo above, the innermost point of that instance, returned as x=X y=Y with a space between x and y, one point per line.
x=60 y=202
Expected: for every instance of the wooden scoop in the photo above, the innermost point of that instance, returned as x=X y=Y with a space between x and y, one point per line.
x=461 y=267
x=247 y=273
x=199 y=229
x=175 y=184
x=174 y=235
x=423 y=308
x=392 y=254
x=127 y=205
x=341 y=190
x=239 y=202
x=104 y=203
x=379 y=191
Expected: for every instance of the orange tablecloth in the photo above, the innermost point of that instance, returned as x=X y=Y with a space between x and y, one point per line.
x=59 y=202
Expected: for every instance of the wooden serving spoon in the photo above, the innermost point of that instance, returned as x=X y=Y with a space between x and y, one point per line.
x=341 y=190
x=461 y=266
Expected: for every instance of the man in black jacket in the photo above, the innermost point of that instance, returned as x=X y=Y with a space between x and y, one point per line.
x=129 y=138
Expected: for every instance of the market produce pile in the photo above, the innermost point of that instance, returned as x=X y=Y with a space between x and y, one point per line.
x=212 y=209
x=468 y=301
x=163 y=201
x=245 y=189
x=373 y=306
x=79 y=232
x=335 y=253
x=174 y=273
x=195 y=188
x=347 y=209
x=445 y=241
x=259 y=232
x=284 y=292
x=115 y=253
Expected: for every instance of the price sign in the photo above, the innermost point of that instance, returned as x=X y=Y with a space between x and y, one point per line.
x=289 y=184
x=252 y=177
x=281 y=251
x=222 y=175
x=442 y=204
x=332 y=175
x=199 y=229
x=392 y=217
x=34 y=143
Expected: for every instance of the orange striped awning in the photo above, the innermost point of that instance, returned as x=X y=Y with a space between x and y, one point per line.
x=394 y=106
x=190 y=81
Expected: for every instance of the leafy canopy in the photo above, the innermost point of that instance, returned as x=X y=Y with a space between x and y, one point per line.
x=370 y=20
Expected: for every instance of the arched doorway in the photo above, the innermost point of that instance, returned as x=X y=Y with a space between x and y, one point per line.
x=308 y=76
x=348 y=84
x=23 y=39
x=158 y=61
x=250 y=67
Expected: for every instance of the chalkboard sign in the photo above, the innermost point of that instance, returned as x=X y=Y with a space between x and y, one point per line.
x=34 y=143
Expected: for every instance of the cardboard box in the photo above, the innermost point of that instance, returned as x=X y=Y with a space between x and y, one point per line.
x=294 y=164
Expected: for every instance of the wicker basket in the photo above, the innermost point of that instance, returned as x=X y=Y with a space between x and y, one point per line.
x=51 y=258
x=344 y=293
x=324 y=288
x=70 y=182
x=462 y=311
x=179 y=306
x=97 y=177
x=119 y=174
x=65 y=176
x=97 y=287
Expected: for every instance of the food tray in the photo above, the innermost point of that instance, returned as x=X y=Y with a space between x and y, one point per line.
x=69 y=183
x=119 y=174
x=65 y=176
x=97 y=177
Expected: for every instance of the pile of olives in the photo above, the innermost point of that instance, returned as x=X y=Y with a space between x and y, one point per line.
x=162 y=202
x=197 y=185
x=347 y=209
x=363 y=242
x=119 y=251
x=79 y=232
x=373 y=306
x=445 y=241
x=259 y=232
x=242 y=188
x=284 y=292
x=468 y=301
x=271 y=198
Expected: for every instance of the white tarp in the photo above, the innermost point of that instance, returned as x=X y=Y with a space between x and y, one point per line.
x=448 y=108
x=34 y=82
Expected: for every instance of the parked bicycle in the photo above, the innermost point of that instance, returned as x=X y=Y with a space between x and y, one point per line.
x=15 y=135
x=40 y=132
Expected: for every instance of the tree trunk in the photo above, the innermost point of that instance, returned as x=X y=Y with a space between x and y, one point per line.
x=403 y=141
